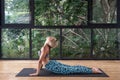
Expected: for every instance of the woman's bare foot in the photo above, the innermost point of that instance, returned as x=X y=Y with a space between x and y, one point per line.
x=96 y=70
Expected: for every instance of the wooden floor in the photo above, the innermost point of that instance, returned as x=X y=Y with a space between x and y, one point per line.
x=9 y=68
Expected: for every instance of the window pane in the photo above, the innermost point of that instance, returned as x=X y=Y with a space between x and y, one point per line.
x=38 y=39
x=17 y=11
x=15 y=43
x=76 y=43
x=104 y=11
x=105 y=45
x=60 y=12
x=118 y=42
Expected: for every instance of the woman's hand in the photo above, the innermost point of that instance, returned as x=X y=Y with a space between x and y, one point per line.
x=34 y=74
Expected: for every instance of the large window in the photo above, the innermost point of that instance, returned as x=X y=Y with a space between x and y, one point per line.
x=104 y=11
x=105 y=43
x=60 y=12
x=76 y=43
x=15 y=43
x=85 y=29
x=17 y=11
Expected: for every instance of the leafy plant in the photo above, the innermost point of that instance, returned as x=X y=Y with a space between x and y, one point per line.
x=104 y=11
x=15 y=43
x=76 y=43
x=17 y=11
x=104 y=43
x=60 y=12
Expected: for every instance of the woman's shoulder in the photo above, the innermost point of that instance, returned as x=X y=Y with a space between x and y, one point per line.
x=45 y=49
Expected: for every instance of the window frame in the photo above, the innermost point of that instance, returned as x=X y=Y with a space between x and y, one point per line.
x=32 y=26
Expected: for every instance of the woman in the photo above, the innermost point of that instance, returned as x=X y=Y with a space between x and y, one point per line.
x=55 y=66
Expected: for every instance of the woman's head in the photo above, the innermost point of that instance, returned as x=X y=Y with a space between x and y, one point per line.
x=51 y=41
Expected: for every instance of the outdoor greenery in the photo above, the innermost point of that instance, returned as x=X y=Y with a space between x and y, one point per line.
x=17 y=11
x=38 y=39
x=105 y=43
x=60 y=12
x=104 y=11
x=15 y=43
x=76 y=43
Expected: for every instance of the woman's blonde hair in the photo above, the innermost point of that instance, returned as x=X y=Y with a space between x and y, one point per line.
x=51 y=41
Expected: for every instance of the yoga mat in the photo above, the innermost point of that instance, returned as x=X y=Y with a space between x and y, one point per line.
x=45 y=73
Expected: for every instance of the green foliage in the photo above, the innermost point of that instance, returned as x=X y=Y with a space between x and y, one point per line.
x=104 y=11
x=76 y=43
x=104 y=43
x=17 y=11
x=15 y=43
x=60 y=12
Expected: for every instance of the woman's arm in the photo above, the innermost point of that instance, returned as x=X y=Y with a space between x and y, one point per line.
x=42 y=56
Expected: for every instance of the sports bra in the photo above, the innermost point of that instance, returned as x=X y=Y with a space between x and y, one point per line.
x=47 y=55
x=39 y=53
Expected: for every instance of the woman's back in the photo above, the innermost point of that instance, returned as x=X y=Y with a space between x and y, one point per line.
x=46 y=50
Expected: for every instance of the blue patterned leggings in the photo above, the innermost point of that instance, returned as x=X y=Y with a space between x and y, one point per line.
x=57 y=67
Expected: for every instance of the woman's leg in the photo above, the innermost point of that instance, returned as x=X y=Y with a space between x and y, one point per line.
x=80 y=69
x=60 y=68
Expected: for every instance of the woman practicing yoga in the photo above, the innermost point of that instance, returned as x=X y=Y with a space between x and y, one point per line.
x=55 y=66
